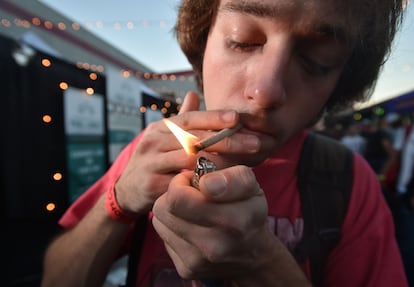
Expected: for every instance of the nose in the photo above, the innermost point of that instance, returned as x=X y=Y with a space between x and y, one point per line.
x=267 y=75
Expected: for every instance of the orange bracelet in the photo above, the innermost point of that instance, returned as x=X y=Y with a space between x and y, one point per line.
x=113 y=208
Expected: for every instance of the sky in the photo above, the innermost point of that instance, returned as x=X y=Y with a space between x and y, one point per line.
x=149 y=37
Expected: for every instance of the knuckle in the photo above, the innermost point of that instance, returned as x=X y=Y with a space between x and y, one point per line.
x=216 y=253
x=183 y=120
x=192 y=265
x=228 y=144
x=247 y=180
x=151 y=127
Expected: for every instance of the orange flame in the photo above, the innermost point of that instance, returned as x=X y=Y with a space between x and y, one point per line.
x=186 y=139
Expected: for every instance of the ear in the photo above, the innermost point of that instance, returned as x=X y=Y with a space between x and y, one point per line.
x=191 y=102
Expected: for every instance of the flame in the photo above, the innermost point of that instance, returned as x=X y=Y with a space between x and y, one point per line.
x=186 y=139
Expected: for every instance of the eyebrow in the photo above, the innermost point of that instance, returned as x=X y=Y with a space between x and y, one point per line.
x=320 y=29
x=257 y=9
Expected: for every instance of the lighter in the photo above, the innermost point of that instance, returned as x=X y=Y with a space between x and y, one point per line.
x=205 y=166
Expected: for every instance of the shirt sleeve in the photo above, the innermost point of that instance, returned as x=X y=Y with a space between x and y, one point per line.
x=84 y=203
x=367 y=254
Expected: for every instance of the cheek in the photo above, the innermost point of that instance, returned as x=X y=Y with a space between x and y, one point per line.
x=310 y=101
x=306 y=98
x=314 y=92
x=213 y=72
x=221 y=78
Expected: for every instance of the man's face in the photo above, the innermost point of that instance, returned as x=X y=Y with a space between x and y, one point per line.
x=274 y=61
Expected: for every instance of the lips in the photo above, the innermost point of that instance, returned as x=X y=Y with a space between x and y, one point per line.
x=257 y=125
x=257 y=131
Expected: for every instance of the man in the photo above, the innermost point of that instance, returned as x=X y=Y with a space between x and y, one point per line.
x=274 y=66
x=405 y=186
x=353 y=139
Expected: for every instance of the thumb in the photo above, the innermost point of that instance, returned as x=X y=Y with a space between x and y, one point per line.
x=191 y=103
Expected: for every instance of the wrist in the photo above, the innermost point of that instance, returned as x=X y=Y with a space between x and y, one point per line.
x=113 y=208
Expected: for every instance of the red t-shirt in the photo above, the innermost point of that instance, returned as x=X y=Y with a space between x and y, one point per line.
x=367 y=254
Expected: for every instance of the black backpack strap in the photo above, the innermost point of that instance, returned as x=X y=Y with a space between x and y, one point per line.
x=325 y=179
x=134 y=255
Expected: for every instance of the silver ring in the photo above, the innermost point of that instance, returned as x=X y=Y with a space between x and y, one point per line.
x=203 y=166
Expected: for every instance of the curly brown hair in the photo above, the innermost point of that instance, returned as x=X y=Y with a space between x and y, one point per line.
x=374 y=24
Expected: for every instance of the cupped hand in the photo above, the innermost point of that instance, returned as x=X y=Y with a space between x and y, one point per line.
x=159 y=156
x=217 y=231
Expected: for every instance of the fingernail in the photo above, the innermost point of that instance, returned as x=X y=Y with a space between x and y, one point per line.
x=251 y=143
x=215 y=183
x=228 y=116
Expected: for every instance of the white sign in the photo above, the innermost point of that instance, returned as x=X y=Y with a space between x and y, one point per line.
x=84 y=114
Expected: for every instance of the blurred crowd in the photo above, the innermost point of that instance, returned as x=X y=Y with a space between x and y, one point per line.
x=387 y=143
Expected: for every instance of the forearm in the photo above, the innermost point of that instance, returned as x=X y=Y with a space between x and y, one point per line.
x=82 y=256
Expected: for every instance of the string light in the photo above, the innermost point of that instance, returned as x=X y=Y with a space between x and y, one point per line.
x=47 y=119
x=50 y=25
x=76 y=26
x=57 y=176
x=61 y=26
x=6 y=23
x=50 y=206
x=36 y=21
x=126 y=74
x=357 y=116
x=90 y=91
x=63 y=85
x=46 y=63
x=93 y=76
x=379 y=111
x=118 y=25
x=130 y=25
x=114 y=107
x=93 y=67
x=22 y=23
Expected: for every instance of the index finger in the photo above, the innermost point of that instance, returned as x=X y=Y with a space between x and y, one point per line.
x=206 y=120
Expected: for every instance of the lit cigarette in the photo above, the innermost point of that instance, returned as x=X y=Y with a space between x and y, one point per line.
x=215 y=138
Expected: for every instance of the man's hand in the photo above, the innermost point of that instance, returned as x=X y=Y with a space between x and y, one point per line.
x=159 y=156
x=216 y=231
x=221 y=231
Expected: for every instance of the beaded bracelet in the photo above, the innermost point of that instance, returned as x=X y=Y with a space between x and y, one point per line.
x=113 y=208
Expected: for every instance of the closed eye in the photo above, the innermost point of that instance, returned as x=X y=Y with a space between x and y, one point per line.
x=313 y=67
x=242 y=46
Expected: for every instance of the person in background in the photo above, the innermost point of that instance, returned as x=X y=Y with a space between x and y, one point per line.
x=405 y=185
x=353 y=140
x=405 y=193
x=397 y=132
x=273 y=66
x=379 y=151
